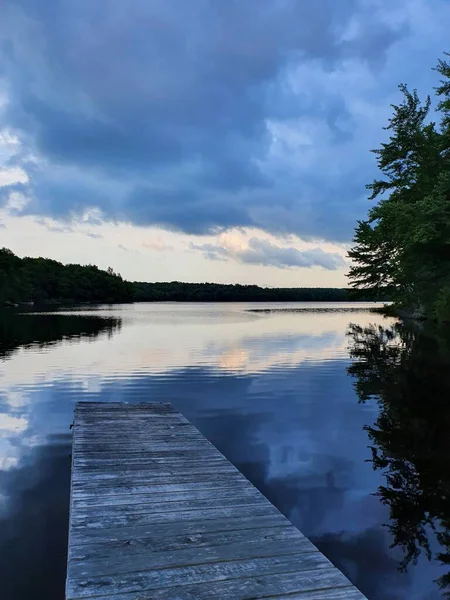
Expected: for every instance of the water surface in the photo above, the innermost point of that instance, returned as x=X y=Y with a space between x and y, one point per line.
x=274 y=390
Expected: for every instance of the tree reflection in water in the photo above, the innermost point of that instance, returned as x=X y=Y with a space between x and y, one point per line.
x=45 y=329
x=406 y=370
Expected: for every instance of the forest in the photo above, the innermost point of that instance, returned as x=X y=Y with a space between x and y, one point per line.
x=43 y=281
x=404 y=244
x=214 y=292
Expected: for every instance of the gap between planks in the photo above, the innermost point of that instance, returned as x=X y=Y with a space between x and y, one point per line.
x=145 y=483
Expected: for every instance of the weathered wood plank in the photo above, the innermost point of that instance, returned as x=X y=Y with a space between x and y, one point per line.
x=218 y=493
x=156 y=488
x=159 y=475
x=159 y=541
x=254 y=588
x=187 y=528
x=176 y=506
x=156 y=455
x=115 y=481
x=158 y=513
x=187 y=466
x=139 y=519
x=102 y=467
x=142 y=446
x=115 y=432
x=347 y=593
x=163 y=436
x=194 y=574
x=120 y=563
x=112 y=420
x=124 y=407
x=149 y=461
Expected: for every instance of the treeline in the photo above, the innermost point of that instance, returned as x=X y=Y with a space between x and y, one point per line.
x=405 y=241
x=44 y=281
x=176 y=291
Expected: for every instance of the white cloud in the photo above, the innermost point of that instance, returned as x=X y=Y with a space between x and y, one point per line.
x=12 y=175
x=16 y=398
x=12 y=424
x=17 y=202
x=9 y=144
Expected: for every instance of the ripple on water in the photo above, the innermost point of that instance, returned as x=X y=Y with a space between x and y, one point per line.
x=270 y=389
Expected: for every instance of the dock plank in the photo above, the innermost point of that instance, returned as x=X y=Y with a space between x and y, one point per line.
x=188 y=528
x=157 y=513
x=250 y=589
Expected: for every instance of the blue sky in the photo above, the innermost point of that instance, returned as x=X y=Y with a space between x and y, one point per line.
x=223 y=140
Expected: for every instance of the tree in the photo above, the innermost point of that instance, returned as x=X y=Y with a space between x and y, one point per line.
x=405 y=242
x=41 y=280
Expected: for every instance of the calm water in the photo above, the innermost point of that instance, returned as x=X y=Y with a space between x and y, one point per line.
x=316 y=408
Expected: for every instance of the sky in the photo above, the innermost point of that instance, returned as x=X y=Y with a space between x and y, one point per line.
x=209 y=140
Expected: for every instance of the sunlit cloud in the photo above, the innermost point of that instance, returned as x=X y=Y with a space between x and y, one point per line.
x=262 y=252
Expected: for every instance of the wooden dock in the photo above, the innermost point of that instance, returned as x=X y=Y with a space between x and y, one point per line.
x=157 y=513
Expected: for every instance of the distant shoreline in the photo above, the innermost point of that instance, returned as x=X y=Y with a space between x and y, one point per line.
x=54 y=305
x=42 y=281
x=317 y=310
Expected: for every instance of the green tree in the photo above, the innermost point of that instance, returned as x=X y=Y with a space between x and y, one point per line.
x=405 y=242
x=42 y=281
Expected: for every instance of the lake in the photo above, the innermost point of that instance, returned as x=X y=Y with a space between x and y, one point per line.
x=337 y=414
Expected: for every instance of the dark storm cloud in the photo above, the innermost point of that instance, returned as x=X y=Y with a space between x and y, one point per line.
x=156 y=111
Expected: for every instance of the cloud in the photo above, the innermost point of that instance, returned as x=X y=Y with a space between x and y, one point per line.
x=211 y=251
x=16 y=202
x=53 y=226
x=12 y=424
x=263 y=252
x=11 y=175
x=157 y=244
x=203 y=116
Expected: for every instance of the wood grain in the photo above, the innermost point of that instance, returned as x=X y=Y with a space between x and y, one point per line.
x=157 y=513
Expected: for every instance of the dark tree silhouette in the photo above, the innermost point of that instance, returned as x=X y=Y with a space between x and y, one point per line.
x=43 y=281
x=406 y=370
x=404 y=242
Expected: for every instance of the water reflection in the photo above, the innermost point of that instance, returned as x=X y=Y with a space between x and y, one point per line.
x=270 y=390
x=41 y=330
x=35 y=461
x=406 y=370
x=34 y=523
